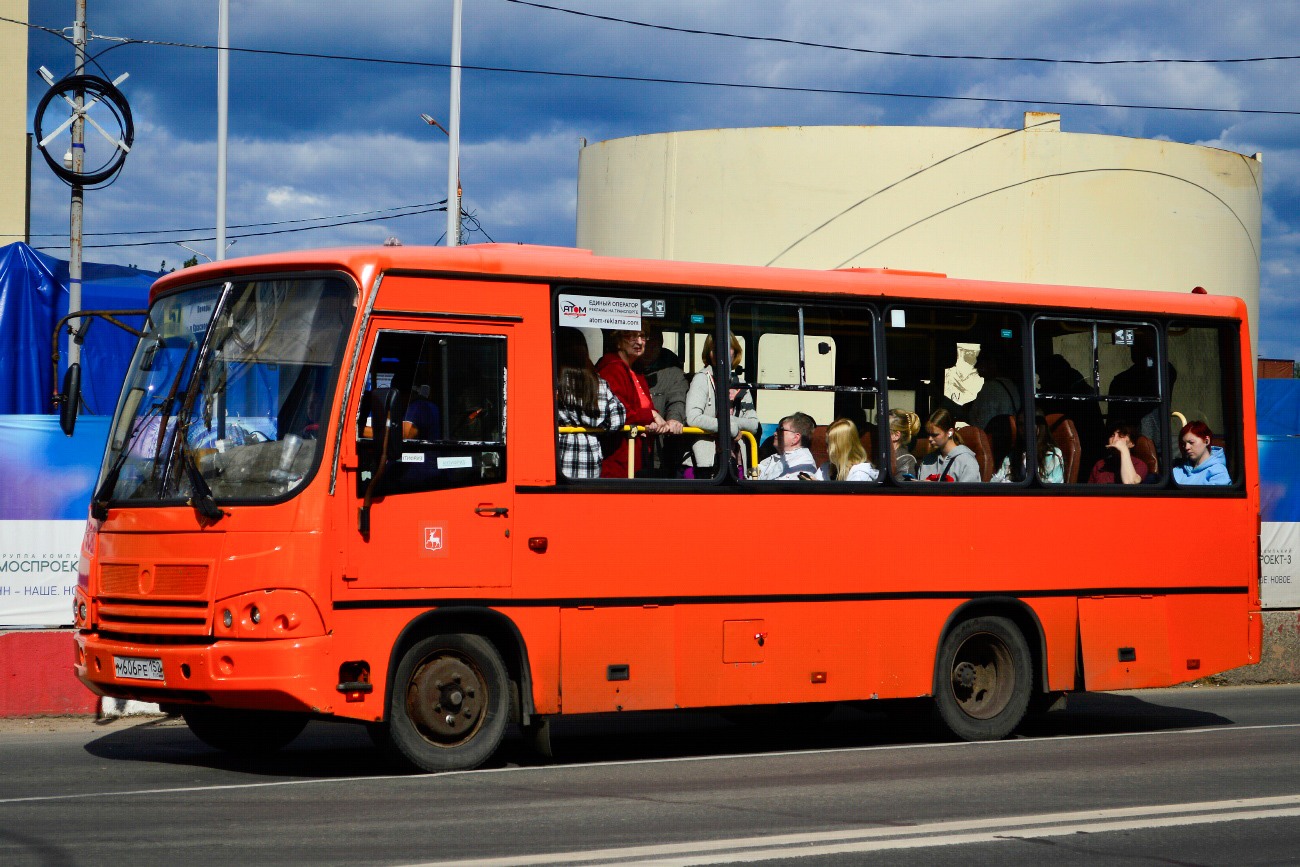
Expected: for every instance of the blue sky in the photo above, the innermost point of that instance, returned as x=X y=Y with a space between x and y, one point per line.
x=314 y=138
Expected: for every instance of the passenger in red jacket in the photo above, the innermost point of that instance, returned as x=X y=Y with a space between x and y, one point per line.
x=630 y=387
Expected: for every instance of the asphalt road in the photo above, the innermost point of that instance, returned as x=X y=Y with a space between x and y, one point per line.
x=1187 y=776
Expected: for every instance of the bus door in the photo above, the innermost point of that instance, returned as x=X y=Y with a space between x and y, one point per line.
x=440 y=511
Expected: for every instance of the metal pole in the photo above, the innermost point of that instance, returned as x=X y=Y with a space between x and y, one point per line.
x=223 y=94
x=78 y=196
x=453 y=133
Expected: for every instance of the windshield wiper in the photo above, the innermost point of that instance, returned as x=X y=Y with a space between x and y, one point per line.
x=201 y=499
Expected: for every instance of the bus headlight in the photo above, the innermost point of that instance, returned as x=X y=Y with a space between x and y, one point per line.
x=269 y=614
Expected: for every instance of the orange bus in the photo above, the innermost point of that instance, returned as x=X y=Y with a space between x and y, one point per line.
x=437 y=491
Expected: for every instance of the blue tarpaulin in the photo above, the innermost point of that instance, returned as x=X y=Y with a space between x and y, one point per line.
x=33 y=297
x=1277 y=413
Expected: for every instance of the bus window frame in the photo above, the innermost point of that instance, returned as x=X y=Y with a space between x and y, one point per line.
x=1025 y=317
x=800 y=302
x=1233 y=408
x=648 y=484
x=1110 y=320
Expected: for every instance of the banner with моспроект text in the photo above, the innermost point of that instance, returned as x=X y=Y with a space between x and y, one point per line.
x=46 y=480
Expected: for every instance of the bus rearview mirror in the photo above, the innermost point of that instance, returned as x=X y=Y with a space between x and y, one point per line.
x=70 y=398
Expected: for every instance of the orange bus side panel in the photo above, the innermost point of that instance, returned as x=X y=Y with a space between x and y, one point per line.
x=1059 y=620
x=1131 y=642
x=617 y=659
x=1125 y=641
x=1208 y=634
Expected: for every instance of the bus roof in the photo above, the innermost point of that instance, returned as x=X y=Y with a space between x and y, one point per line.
x=552 y=264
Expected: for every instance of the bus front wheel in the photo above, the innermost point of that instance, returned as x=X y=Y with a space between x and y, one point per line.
x=450 y=703
x=982 y=682
x=244 y=732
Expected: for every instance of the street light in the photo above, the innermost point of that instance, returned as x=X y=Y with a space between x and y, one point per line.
x=200 y=252
x=453 y=198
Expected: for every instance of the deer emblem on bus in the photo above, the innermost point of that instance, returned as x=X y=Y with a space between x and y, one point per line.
x=433 y=538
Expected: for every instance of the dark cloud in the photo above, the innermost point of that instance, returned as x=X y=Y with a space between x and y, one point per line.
x=315 y=137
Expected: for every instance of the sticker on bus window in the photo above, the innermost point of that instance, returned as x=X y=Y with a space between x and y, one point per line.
x=460 y=462
x=653 y=308
x=597 y=311
x=897 y=318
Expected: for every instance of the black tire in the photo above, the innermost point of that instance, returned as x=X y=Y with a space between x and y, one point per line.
x=449 y=705
x=983 y=678
x=244 y=732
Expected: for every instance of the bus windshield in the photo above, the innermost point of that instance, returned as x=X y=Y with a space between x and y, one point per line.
x=244 y=372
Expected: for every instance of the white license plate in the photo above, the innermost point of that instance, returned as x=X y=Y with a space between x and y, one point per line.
x=138 y=668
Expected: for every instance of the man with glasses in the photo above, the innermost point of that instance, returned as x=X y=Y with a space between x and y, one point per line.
x=792 y=460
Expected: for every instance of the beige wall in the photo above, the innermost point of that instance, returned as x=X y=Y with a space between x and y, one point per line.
x=13 y=122
x=1036 y=204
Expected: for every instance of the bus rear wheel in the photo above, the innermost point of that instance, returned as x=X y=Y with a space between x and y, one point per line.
x=450 y=703
x=982 y=682
x=244 y=732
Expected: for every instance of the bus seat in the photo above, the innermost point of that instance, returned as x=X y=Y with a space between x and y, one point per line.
x=818 y=445
x=1065 y=436
x=921 y=448
x=978 y=441
x=1145 y=450
x=868 y=440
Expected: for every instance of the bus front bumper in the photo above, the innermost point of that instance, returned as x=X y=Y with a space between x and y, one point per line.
x=285 y=675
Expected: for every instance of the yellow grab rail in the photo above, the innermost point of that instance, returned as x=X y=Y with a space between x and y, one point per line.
x=637 y=430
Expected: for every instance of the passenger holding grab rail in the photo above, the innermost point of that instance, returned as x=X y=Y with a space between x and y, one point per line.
x=583 y=400
x=631 y=387
x=702 y=411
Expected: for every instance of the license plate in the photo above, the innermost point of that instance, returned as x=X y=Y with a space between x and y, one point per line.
x=137 y=668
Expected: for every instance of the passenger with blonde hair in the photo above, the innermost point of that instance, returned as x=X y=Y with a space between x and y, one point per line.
x=950 y=461
x=903 y=428
x=702 y=411
x=847 y=458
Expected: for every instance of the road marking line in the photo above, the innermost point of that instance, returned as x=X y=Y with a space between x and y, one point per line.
x=750 y=849
x=632 y=762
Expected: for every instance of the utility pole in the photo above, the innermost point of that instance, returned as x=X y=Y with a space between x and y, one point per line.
x=78 y=196
x=453 y=133
x=223 y=99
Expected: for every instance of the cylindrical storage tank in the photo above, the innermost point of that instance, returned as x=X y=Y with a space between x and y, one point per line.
x=1033 y=204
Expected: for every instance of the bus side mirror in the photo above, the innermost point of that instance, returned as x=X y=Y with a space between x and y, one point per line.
x=70 y=398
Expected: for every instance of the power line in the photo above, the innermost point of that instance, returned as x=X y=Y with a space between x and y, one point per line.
x=426 y=64
x=251 y=234
x=241 y=225
x=885 y=53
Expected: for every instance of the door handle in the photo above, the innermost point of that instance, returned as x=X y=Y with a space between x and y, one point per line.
x=487 y=510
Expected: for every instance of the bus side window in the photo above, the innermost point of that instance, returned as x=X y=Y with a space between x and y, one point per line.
x=810 y=367
x=626 y=362
x=961 y=370
x=453 y=415
x=1101 y=375
x=1205 y=357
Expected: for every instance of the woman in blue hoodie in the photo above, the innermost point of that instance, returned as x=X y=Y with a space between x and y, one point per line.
x=1201 y=463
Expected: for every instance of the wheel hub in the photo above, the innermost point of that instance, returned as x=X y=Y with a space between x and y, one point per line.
x=446 y=699
x=982 y=676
